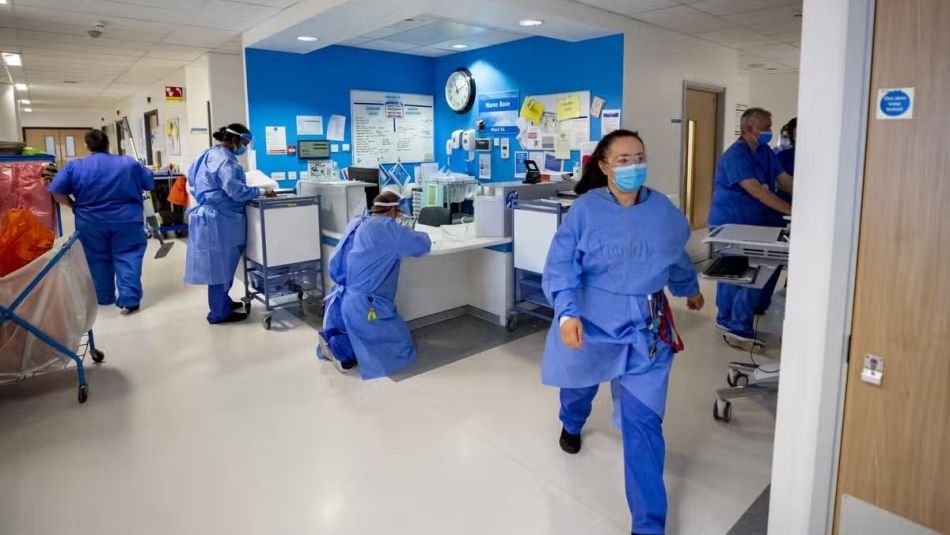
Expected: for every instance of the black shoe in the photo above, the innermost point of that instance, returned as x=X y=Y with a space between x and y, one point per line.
x=233 y=318
x=570 y=443
x=130 y=310
x=236 y=305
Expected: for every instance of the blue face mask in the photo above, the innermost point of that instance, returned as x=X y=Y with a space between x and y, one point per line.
x=630 y=178
x=241 y=149
x=764 y=138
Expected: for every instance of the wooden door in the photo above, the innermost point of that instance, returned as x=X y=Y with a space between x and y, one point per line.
x=895 y=452
x=702 y=131
x=64 y=143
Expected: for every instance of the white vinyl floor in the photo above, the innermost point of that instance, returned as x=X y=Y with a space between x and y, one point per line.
x=199 y=430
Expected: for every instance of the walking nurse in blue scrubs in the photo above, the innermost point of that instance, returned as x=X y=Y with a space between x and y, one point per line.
x=620 y=245
x=217 y=227
x=105 y=192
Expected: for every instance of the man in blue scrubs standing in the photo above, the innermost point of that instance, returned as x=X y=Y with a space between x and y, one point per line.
x=748 y=178
x=105 y=193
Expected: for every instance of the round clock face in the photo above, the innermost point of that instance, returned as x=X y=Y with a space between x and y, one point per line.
x=460 y=90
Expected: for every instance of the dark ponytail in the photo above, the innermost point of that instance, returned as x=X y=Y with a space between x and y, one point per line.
x=593 y=176
x=224 y=136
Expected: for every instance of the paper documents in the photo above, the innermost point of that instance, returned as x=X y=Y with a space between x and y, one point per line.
x=568 y=107
x=337 y=128
x=532 y=110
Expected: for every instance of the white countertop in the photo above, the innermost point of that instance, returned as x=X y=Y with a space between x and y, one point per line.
x=449 y=239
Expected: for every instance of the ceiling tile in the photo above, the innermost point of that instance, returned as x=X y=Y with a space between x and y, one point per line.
x=684 y=19
x=356 y=41
x=630 y=7
x=732 y=7
x=203 y=38
x=776 y=52
x=736 y=38
x=176 y=52
x=388 y=46
x=770 y=21
x=431 y=52
x=435 y=32
x=493 y=37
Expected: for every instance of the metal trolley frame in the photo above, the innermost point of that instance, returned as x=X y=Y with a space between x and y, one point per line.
x=86 y=346
x=529 y=296
x=268 y=283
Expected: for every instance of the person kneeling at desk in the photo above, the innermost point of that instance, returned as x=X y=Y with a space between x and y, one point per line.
x=361 y=324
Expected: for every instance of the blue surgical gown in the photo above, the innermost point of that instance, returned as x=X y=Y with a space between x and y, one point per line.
x=217 y=226
x=604 y=261
x=733 y=204
x=106 y=188
x=365 y=271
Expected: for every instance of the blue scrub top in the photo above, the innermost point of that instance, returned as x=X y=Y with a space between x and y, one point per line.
x=787 y=159
x=106 y=188
x=730 y=202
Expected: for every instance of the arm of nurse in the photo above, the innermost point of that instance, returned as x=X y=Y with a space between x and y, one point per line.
x=562 y=276
x=762 y=194
x=786 y=182
x=412 y=242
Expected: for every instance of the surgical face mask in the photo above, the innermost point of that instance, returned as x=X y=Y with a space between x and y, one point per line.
x=240 y=149
x=631 y=177
x=764 y=138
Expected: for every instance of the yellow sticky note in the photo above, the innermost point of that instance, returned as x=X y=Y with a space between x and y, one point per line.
x=568 y=108
x=532 y=110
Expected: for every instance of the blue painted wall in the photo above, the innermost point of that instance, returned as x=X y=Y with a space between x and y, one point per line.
x=536 y=65
x=282 y=85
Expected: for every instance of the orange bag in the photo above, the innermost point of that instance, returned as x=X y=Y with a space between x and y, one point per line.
x=23 y=238
x=179 y=194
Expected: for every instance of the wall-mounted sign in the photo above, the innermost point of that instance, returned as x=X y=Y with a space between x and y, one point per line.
x=174 y=93
x=895 y=103
x=500 y=111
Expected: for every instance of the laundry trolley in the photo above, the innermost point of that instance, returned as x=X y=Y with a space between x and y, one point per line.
x=534 y=224
x=282 y=257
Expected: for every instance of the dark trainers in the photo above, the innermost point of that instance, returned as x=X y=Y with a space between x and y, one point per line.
x=570 y=443
x=234 y=317
x=341 y=367
x=130 y=310
x=236 y=305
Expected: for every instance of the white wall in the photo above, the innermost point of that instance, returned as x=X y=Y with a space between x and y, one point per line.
x=656 y=63
x=197 y=95
x=67 y=119
x=777 y=93
x=226 y=78
x=136 y=106
x=9 y=115
x=836 y=40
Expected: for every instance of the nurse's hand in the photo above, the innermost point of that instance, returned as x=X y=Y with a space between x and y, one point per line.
x=270 y=193
x=572 y=333
x=696 y=302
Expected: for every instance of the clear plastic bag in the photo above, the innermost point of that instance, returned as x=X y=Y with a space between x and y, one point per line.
x=63 y=306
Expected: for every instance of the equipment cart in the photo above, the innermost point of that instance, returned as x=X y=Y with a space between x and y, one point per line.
x=61 y=278
x=534 y=224
x=748 y=256
x=283 y=255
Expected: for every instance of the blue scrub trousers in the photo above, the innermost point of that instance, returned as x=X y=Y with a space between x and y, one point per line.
x=644 y=449
x=114 y=252
x=219 y=301
x=334 y=332
x=738 y=306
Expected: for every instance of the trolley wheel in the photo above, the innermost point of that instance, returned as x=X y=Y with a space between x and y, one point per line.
x=736 y=378
x=97 y=356
x=266 y=322
x=512 y=323
x=83 y=393
x=723 y=414
x=299 y=296
x=247 y=307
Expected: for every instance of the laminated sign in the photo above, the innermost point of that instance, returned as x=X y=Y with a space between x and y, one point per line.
x=174 y=94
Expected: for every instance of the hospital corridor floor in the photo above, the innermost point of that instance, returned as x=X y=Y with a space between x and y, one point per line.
x=192 y=429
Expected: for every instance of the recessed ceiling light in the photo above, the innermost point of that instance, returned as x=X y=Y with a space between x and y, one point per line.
x=28 y=110
x=306 y=38
x=12 y=60
x=530 y=22
x=460 y=46
x=21 y=87
x=24 y=101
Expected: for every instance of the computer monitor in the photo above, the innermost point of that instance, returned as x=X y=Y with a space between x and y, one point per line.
x=366 y=174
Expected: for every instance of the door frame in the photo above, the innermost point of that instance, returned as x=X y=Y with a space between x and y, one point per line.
x=832 y=139
x=148 y=135
x=720 y=92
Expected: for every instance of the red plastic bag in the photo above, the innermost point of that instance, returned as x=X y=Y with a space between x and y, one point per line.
x=23 y=238
x=22 y=186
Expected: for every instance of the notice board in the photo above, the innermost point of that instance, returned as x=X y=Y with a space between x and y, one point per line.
x=392 y=127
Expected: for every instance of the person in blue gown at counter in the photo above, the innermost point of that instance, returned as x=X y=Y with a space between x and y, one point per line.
x=217 y=226
x=619 y=246
x=745 y=192
x=105 y=193
x=361 y=325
